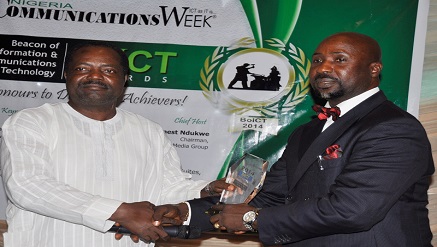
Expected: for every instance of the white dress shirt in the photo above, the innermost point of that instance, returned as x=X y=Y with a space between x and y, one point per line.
x=66 y=174
x=347 y=105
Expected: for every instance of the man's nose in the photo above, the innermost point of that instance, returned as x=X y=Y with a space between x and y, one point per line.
x=95 y=74
x=325 y=67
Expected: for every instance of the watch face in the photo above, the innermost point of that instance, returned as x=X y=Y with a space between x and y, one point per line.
x=249 y=216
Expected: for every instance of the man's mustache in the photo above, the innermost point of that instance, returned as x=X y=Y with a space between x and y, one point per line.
x=91 y=82
x=324 y=76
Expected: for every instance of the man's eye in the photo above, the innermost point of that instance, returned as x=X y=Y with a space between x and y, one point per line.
x=342 y=59
x=317 y=60
x=110 y=71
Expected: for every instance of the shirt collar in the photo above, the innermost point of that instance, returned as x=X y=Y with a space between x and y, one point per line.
x=347 y=105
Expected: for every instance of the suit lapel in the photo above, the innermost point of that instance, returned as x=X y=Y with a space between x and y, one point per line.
x=327 y=137
x=310 y=133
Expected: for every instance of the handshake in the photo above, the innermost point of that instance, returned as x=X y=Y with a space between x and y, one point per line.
x=147 y=222
x=173 y=231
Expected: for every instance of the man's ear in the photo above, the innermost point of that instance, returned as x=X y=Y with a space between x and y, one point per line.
x=375 y=69
x=126 y=80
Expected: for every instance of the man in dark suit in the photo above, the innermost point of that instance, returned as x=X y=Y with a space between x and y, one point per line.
x=360 y=180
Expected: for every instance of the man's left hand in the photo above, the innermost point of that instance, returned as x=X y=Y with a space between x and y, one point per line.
x=216 y=187
x=230 y=217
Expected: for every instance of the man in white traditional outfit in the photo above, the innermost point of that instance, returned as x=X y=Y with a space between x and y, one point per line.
x=71 y=170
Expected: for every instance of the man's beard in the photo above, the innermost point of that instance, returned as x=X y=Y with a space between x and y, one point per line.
x=331 y=95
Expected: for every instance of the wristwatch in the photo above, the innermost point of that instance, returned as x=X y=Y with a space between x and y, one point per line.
x=248 y=218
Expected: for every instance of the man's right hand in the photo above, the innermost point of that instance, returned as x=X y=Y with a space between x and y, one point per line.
x=174 y=214
x=138 y=218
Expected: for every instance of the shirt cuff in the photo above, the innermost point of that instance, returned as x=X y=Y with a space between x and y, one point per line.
x=187 y=222
x=97 y=215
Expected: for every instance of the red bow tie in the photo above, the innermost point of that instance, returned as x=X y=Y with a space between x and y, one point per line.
x=325 y=112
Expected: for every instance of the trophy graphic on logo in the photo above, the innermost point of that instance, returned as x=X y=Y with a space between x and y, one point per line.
x=248 y=175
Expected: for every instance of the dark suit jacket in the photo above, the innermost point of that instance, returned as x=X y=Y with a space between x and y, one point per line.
x=375 y=194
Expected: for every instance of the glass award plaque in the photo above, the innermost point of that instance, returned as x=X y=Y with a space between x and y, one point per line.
x=248 y=175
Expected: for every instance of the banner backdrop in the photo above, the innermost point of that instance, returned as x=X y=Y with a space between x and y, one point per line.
x=222 y=77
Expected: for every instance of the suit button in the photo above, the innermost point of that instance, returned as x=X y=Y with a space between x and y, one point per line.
x=289 y=197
